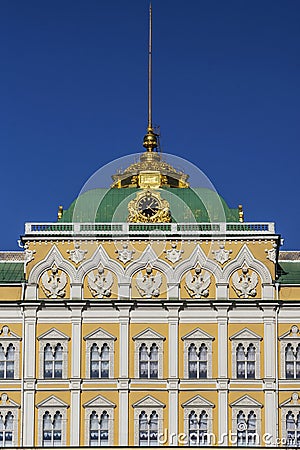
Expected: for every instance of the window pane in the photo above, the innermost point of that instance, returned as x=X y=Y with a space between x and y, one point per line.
x=104 y=369
x=251 y=369
x=154 y=369
x=143 y=430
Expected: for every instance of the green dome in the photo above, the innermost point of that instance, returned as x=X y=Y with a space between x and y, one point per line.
x=186 y=205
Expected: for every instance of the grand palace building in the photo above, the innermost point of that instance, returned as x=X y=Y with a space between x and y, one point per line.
x=150 y=314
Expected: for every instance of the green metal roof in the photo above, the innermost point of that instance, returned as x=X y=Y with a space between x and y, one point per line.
x=12 y=272
x=186 y=205
x=289 y=272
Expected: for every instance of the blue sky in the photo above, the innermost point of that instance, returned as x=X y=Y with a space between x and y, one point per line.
x=73 y=96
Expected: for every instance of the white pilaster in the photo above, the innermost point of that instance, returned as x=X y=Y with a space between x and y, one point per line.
x=28 y=415
x=75 y=413
x=29 y=344
x=270 y=346
x=223 y=412
x=173 y=412
x=269 y=341
x=173 y=319
x=123 y=384
x=222 y=319
x=75 y=382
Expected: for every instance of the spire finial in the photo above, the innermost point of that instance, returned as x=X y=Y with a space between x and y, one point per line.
x=150 y=140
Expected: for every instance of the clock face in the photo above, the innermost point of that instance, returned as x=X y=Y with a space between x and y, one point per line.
x=148 y=206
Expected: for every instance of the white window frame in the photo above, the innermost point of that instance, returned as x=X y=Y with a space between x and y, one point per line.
x=148 y=337
x=290 y=337
x=198 y=404
x=148 y=404
x=99 y=404
x=100 y=337
x=246 y=337
x=293 y=405
x=246 y=404
x=198 y=337
x=52 y=405
x=7 y=405
x=53 y=337
x=7 y=337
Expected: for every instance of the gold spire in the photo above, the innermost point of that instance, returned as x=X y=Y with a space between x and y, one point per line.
x=150 y=140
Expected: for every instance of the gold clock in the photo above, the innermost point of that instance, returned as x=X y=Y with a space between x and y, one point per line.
x=148 y=206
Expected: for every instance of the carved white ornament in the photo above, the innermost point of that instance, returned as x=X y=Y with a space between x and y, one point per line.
x=197 y=284
x=222 y=255
x=125 y=255
x=271 y=254
x=53 y=283
x=148 y=284
x=173 y=255
x=100 y=283
x=77 y=255
x=29 y=255
x=244 y=284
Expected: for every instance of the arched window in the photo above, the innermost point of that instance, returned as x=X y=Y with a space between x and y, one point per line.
x=6 y=430
x=95 y=360
x=251 y=428
x=198 y=429
x=99 y=429
x=292 y=361
x=52 y=429
x=99 y=361
x=58 y=361
x=241 y=429
x=148 y=361
x=48 y=361
x=240 y=361
x=246 y=429
x=192 y=358
x=153 y=361
x=289 y=361
x=7 y=361
x=148 y=429
x=250 y=361
x=245 y=361
x=53 y=361
x=104 y=361
x=293 y=429
x=10 y=361
x=197 y=361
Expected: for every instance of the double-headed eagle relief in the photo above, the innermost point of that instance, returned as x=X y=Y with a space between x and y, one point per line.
x=197 y=283
x=100 y=283
x=53 y=283
x=148 y=284
x=244 y=284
